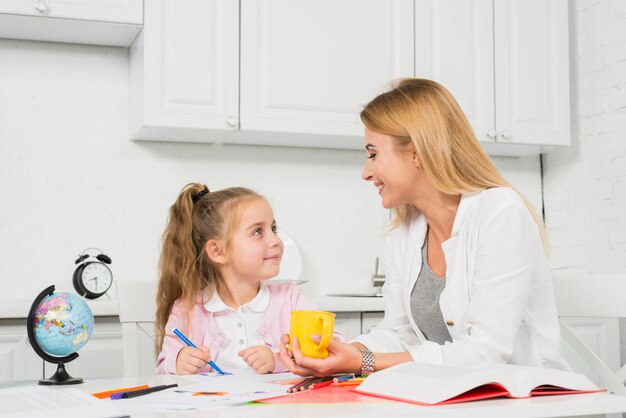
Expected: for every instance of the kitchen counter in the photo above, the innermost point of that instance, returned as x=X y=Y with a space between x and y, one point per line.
x=349 y=304
x=108 y=307
x=19 y=308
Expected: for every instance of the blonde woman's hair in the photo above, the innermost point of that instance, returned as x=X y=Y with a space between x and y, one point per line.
x=196 y=217
x=424 y=113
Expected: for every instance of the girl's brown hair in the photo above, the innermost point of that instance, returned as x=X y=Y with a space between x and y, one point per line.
x=196 y=217
x=424 y=113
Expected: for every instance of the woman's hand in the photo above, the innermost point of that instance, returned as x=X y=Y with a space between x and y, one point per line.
x=259 y=357
x=191 y=359
x=342 y=358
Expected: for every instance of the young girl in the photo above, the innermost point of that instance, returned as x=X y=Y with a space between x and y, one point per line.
x=218 y=250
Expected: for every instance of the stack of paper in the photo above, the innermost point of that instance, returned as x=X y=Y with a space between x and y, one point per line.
x=57 y=403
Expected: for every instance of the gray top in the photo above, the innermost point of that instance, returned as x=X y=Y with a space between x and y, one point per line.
x=425 y=302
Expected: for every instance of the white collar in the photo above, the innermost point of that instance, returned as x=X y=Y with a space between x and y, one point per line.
x=467 y=200
x=416 y=217
x=260 y=303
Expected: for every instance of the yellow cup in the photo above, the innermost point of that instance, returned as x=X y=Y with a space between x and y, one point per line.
x=305 y=323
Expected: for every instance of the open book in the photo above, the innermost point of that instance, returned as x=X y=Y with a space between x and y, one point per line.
x=428 y=384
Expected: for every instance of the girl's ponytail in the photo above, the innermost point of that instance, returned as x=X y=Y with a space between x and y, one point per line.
x=179 y=277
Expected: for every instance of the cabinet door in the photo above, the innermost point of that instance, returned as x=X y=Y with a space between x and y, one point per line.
x=602 y=336
x=369 y=320
x=18 y=360
x=349 y=323
x=101 y=356
x=12 y=361
x=139 y=339
x=184 y=70
x=123 y=11
x=454 y=46
x=308 y=67
x=532 y=71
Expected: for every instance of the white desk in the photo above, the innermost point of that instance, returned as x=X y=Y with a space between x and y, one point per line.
x=536 y=407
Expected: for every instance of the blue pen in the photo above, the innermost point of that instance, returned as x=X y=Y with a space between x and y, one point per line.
x=190 y=344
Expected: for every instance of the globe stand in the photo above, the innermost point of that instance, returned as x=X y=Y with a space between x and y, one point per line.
x=60 y=377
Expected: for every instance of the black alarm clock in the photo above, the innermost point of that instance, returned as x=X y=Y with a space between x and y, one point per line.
x=92 y=277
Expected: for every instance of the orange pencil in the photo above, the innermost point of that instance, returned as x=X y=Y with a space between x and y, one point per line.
x=108 y=393
x=352 y=382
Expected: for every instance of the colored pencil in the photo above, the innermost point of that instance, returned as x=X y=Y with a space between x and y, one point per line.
x=351 y=382
x=141 y=392
x=321 y=384
x=343 y=378
x=308 y=385
x=299 y=386
x=190 y=344
x=108 y=393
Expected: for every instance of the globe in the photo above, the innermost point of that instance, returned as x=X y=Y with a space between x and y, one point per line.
x=58 y=325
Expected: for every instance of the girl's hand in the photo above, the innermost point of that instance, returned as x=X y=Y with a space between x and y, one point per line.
x=191 y=359
x=259 y=357
x=342 y=358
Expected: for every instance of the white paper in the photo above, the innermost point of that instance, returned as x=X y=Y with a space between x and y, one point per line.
x=200 y=394
x=57 y=403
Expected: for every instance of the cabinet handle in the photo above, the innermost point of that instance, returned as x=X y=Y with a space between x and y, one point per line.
x=41 y=6
x=506 y=134
x=231 y=121
x=491 y=133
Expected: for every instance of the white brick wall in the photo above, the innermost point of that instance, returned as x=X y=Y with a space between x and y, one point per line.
x=585 y=184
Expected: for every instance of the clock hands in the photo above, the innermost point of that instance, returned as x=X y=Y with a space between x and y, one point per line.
x=96 y=277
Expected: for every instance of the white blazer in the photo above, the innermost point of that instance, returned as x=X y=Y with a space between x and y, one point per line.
x=498 y=301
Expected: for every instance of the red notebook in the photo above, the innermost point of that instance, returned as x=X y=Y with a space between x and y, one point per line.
x=427 y=384
x=327 y=394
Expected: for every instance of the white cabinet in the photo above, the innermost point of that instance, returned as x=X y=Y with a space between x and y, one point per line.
x=100 y=357
x=120 y=11
x=296 y=73
x=353 y=324
x=100 y=22
x=139 y=340
x=184 y=71
x=370 y=320
x=454 y=46
x=308 y=67
x=18 y=360
x=349 y=323
x=299 y=77
x=506 y=62
x=602 y=336
x=532 y=71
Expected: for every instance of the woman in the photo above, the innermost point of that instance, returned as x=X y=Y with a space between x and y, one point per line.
x=467 y=276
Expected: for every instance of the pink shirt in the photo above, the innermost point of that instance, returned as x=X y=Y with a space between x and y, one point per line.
x=204 y=331
x=242 y=324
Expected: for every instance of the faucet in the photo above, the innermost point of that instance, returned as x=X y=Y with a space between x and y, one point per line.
x=377 y=279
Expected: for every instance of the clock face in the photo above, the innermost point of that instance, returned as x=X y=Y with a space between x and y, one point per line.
x=97 y=278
